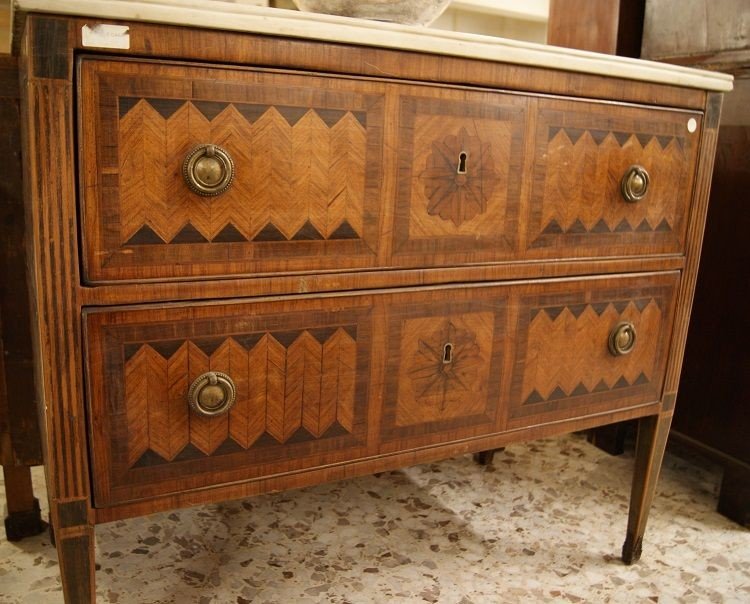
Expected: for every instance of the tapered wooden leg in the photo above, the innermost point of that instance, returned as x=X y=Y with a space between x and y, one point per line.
x=652 y=439
x=24 y=517
x=484 y=458
x=75 y=551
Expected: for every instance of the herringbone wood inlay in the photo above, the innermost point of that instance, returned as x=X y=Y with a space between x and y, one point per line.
x=563 y=360
x=312 y=186
x=307 y=163
x=285 y=391
x=581 y=158
x=299 y=379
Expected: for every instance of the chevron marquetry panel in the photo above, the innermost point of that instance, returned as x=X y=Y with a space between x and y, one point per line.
x=304 y=179
x=581 y=158
x=280 y=385
x=563 y=359
x=307 y=151
x=300 y=371
x=552 y=371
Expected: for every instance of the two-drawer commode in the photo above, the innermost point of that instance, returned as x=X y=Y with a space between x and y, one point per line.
x=266 y=260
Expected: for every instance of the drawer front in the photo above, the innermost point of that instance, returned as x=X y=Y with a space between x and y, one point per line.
x=321 y=381
x=300 y=372
x=307 y=154
x=564 y=362
x=582 y=153
x=333 y=174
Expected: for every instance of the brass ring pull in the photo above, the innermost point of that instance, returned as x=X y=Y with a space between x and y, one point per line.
x=634 y=184
x=622 y=339
x=212 y=394
x=208 y=170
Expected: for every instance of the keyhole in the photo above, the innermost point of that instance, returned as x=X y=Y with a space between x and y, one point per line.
x=447 y=353
x=462 y=157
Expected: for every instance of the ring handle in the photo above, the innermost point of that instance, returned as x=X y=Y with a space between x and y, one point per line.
x=208 y=170
x=634 y=185
x=622 y=339
x=212 y=394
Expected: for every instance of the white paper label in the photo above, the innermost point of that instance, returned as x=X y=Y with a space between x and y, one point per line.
x=106 y=36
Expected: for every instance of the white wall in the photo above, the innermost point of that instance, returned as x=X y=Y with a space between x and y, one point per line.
x=516 y=19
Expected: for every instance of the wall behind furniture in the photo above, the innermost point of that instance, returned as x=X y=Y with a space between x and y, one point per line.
x=525 y=20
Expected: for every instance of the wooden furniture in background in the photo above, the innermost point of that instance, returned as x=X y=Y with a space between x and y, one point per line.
x=20 y=444
x=584 y=24
x=404 y=268
x=713 y=412
x=710 y=33
x=608 y=26
x=713 y=402
x=5 y=25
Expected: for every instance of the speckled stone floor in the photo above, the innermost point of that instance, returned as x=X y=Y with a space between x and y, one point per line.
x=543 y=524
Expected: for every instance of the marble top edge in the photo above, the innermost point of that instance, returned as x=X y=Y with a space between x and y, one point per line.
x=218 y=14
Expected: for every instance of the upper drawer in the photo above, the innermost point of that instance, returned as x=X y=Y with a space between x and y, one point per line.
x=335 y=173
x=585 y=154
x=307 y=155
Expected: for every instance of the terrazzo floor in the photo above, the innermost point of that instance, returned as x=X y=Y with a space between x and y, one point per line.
x=543 y=524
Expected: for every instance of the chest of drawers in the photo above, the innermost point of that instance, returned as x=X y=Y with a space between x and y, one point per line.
x=263 y=262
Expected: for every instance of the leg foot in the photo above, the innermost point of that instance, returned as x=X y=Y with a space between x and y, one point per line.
x=610 y=439
x=484 y=458
x=631 y=551
x=75 y=550
x=19 y=525
x=24 y=517
x=649 y=452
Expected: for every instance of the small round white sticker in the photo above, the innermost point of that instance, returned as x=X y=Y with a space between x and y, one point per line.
x=692 y=125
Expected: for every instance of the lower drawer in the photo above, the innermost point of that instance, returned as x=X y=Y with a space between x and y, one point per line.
x=328 y=379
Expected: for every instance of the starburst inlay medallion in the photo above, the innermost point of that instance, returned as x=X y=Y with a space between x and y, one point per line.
x=445 y=365
x=459 y=178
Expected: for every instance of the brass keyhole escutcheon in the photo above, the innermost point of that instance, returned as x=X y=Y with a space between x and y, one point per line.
x=212 y=394
x=447 y=353
x=622 y=339
x=634 y=184
x=208 y=170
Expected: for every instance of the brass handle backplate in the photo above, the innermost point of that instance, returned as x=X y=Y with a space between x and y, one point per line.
x=634 y=184
x=212 y=394
x=622 y=338
x=208 y=170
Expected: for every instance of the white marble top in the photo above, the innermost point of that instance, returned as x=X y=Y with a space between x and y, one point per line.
x=236 y=16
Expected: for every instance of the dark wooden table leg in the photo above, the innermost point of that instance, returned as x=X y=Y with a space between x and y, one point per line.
x=24 y=517
x=611 y=438
x=20 y=441
x=484 y=458
x=649 y=453
x=734 y=496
